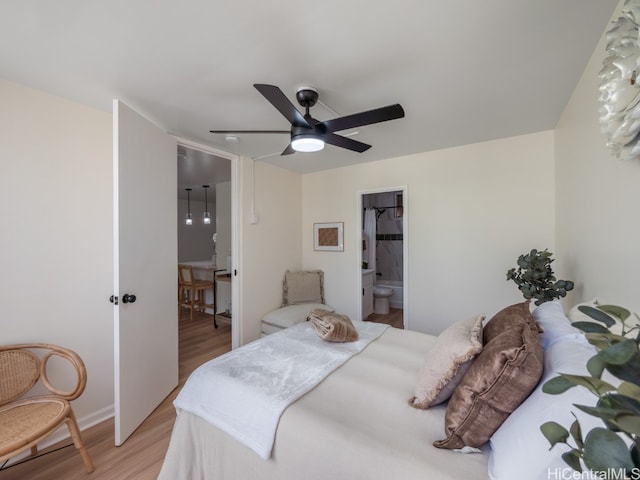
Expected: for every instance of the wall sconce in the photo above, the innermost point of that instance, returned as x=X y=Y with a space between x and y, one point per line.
x=206 y=217
x=188 y=220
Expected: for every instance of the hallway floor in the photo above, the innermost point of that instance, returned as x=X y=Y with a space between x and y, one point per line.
x=393 y=318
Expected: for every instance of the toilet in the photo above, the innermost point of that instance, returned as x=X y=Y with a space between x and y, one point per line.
x=381 y=297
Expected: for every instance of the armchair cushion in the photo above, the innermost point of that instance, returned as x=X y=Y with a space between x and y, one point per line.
x=286 y=317
x=302 y=287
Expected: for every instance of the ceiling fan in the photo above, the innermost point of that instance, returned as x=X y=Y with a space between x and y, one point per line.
x=310 y=135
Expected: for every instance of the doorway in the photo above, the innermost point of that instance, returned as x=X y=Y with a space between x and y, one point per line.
x=384 y=254
x=210 y=239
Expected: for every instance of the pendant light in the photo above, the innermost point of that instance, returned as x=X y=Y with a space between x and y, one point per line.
x=188 y=220
x=206 y=217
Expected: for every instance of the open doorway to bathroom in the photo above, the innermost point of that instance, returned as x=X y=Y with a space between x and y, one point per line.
x=384 y=250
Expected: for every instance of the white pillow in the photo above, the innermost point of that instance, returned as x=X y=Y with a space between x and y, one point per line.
x=555 y=325
x=447 y=362
x=518 y=447
x=576 y=315
x=286 y=317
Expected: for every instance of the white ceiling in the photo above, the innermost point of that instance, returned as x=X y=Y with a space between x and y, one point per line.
x=196 y=168
x=464 y=71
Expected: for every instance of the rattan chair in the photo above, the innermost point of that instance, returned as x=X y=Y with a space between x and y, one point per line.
x=26 y=421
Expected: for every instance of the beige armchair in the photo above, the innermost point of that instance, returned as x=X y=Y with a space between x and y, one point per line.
x=302 y=291
x=25 y=421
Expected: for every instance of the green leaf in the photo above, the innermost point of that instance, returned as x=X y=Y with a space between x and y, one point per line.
x=630 y=405
x=557 y=385
x=572 y=458
x=590 y=327
x=612 y=407
x=628 y=423
x=620 y=353
x=593 y=384
x=634 y=449
x=595 y=366
x=604 y=450
x=630 y=390
x=605 y=413
x=554 y=433
x=576 y=432
x=616 y=311
x=629 y=371
x=598 y=315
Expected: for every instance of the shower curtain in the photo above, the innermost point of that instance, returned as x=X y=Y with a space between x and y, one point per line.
x=369 y=255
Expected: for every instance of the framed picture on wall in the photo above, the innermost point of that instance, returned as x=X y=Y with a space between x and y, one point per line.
x=328 y=236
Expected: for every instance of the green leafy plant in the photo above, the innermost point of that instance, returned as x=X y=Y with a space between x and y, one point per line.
x=614 y=445
x=535 y=279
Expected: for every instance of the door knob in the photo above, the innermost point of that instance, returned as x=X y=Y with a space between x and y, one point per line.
x=126 y=298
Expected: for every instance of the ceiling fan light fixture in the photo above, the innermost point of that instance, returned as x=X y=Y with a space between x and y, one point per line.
x=307 y=143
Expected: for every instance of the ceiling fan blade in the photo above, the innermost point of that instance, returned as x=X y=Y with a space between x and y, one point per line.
x=344 y=142
x=369 y=117
x=249 y=131
x=282 y=104
x=288 y=151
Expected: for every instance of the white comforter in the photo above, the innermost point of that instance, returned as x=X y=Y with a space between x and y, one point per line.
x=355 y=425
x=245 y=391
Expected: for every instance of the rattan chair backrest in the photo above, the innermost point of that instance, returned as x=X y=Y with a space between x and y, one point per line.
x=19 y=371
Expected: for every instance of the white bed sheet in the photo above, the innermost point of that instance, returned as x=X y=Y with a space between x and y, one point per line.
x=356 y=424
x=244 y=392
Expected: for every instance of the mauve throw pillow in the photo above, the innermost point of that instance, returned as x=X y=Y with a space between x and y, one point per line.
x=506 y=318
x=447 y=362
x=500 y=378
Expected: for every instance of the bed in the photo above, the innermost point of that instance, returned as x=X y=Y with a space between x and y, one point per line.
x=357 y=424
x=348 y=426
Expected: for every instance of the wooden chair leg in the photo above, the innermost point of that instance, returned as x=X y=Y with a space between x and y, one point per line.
x=77 y=440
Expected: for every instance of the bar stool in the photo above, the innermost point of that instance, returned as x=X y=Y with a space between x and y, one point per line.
x=191 y=292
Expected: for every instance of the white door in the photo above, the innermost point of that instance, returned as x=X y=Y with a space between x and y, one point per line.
x=145 y=266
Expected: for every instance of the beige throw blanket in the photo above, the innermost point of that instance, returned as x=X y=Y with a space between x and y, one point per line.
x=332 y=327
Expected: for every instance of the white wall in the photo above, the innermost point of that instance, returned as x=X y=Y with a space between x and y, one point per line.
x=471 y=211
x=598 y=200
x=270 y=246
x=223 y=222
x=195 y=242
x=56 y=242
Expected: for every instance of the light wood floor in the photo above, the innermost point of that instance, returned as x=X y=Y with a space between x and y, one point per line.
x=141 y=456
x=393 y=318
